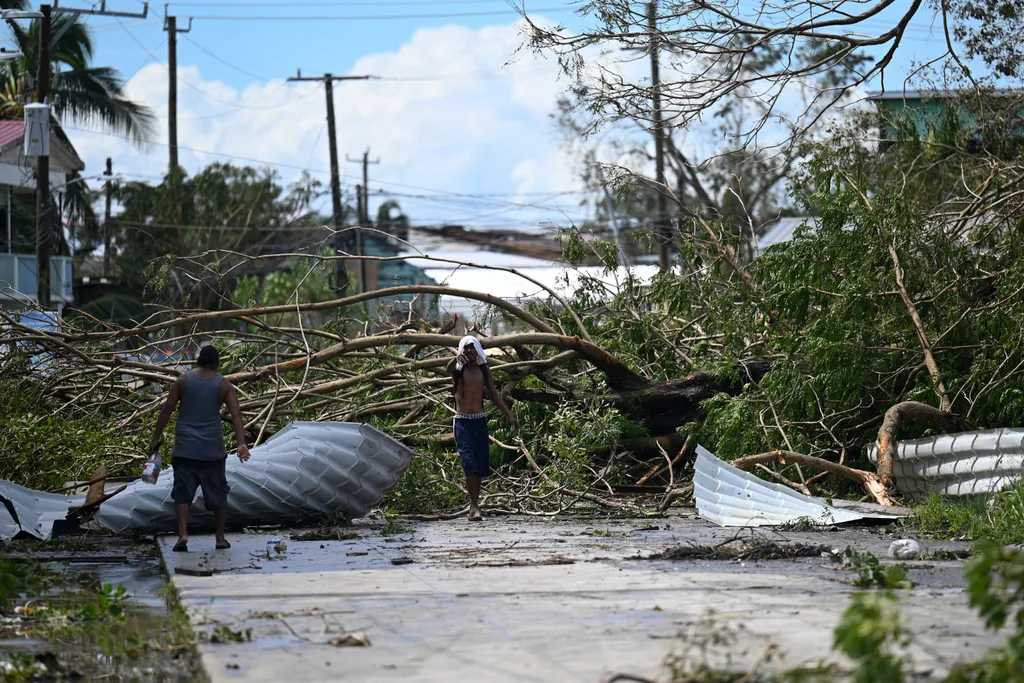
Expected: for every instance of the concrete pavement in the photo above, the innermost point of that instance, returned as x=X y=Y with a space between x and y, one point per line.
x=534 y=599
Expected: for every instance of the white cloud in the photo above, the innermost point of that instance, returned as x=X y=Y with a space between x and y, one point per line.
x=458 y=121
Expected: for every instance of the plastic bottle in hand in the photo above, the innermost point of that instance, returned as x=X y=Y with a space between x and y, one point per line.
x=151 y=470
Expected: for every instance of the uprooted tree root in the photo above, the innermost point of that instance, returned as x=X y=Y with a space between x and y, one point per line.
x=737 y=549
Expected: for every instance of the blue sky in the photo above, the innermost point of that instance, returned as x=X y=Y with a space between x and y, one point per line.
x=456 y=120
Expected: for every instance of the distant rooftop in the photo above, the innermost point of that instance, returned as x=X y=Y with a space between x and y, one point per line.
x=889 y=95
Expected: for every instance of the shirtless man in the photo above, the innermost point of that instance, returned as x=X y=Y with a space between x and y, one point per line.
x=469 y=378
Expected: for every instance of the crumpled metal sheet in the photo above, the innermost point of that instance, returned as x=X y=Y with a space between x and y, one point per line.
x=303 y=472
x=962 y=464
x=728 y=496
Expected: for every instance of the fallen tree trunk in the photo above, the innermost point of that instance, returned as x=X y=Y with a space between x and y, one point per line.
x=898 y=415
x=869 y=481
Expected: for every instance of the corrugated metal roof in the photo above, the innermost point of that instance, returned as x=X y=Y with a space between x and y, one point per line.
x=728 y=496
x=782 y=231
x=11 y=132
x=303 y=472
x=910 y=95
x=960 y=464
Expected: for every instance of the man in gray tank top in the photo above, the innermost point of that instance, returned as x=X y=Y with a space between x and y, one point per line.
x=199 y=454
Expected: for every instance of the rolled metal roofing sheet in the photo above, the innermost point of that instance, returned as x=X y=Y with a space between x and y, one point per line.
x=305 y=471
x=728 y=496
x=966 y=463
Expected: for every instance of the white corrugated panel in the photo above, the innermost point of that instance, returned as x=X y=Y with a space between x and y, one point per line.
x=960 y=464
x=306 y=470
x=728 y=496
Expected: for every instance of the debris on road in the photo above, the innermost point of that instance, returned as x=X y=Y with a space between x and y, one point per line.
x=302 y=473
x=737 y=549
x=729 y=496
x=905 y=549
x=350 y=640
x=961 y=464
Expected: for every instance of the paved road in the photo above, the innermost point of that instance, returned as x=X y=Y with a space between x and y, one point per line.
x=527 y=599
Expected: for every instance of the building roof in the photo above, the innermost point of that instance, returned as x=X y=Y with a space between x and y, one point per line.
x=901 y=95
x=782 y=231
x=12 y=132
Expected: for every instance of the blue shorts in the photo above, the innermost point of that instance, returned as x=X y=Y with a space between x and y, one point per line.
x=474 y=445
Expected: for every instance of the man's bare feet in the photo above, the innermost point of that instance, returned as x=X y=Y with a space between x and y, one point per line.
x=181 y=546
x=475 y=516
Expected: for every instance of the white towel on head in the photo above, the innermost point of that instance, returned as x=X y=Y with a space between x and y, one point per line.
x=481 y=357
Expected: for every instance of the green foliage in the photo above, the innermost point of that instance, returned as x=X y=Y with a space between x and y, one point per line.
x=395 y=527
x=109 y=604
x=44 y=448
x=999 y=518
x=426 y=488
x=223 y=207
x=222 y=635
x=13 y=577
x=995 y=586
x=870 y=572
x=867 y=633
x=574 y=248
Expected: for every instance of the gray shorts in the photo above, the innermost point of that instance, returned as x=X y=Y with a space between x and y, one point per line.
x=190 y=474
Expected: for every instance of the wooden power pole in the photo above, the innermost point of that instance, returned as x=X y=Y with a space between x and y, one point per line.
x=363 y=193
x=662 y=229
x=342 y=242
x=171 y=26
x=43 y=213
x=108 y=190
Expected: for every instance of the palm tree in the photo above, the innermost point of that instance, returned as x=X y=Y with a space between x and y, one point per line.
x=81 y=92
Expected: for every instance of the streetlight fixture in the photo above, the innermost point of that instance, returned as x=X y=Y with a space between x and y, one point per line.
x=9 y=14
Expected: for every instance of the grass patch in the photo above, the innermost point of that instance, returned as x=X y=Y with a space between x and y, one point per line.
x=999 y=518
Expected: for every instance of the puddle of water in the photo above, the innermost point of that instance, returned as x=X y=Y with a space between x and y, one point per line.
x=69 y=624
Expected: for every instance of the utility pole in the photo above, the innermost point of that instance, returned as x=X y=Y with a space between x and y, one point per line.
x=363 y=193
x=171 y=26
x=106 y=219
x=342 y=242
x=43 y=214
x=661 y=225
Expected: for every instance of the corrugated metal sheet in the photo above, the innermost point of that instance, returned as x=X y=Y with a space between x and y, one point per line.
x=961 y=464
x=306 y=470
x=781 y=231
x=728 y=496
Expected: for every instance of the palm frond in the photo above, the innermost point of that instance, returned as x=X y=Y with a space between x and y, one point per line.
x=95 y=95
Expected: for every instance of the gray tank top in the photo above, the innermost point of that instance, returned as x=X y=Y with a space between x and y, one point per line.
x=198 y=434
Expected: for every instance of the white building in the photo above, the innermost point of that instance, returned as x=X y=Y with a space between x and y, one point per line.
x=18 y=178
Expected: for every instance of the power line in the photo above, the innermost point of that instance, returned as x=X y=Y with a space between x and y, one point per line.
x=339 y=3
x=317 y=171
x=371 y=17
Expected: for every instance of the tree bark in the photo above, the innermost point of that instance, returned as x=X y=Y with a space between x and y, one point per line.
x=869 y=481
x=895 y=417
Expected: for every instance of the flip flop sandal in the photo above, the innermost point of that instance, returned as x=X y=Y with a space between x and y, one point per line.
x=223 y=546
x=181 y=547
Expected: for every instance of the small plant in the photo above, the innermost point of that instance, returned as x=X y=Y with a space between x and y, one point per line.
x=800 y=524
x=870 y=572
x=109 y=605
x=225 y=634
x=867 y=632
x=394 y=526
